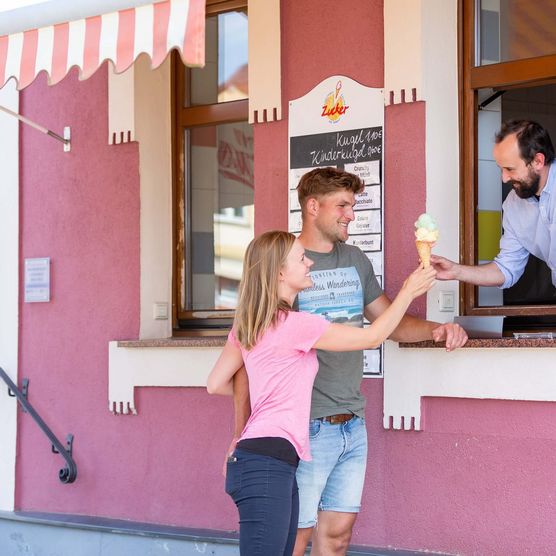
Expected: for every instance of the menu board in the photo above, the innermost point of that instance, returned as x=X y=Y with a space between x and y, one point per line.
x=340 y=123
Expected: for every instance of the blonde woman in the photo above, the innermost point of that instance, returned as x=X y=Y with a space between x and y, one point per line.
x=277 y=346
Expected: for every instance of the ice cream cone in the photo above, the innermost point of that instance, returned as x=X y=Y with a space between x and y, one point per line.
x=424 y=250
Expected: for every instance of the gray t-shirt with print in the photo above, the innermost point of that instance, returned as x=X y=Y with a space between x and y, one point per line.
x=344 y=283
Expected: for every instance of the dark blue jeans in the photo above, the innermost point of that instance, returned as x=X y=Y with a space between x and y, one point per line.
x=264 y=490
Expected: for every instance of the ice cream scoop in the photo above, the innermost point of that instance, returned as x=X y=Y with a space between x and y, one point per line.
x=426 y=235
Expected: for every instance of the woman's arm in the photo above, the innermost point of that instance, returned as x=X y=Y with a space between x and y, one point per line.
x=339 y=337
x=220 y=380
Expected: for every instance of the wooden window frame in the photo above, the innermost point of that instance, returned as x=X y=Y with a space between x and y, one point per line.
x=194 y=321
x=518 y=73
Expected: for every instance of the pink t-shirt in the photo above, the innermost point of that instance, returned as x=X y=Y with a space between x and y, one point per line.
x=281 y=369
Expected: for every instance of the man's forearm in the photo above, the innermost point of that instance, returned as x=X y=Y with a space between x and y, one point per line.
x=412 y=329
x=482 y=275
x=242 y=402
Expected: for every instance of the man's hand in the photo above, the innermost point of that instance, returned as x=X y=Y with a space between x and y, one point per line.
x=445 y=268
x=453 y=334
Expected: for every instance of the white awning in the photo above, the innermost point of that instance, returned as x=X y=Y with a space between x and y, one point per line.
x=120 y=36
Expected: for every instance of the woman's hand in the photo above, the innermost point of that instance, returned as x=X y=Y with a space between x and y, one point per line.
x=419 y=281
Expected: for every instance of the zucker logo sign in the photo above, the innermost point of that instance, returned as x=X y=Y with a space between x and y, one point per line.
x=334 y=105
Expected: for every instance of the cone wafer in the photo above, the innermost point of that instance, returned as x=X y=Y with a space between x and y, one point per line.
x=424 y=250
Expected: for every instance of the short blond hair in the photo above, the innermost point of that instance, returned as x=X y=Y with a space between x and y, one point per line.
x=322 y=181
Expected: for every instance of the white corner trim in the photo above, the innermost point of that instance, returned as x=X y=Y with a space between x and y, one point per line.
x=121 y=105
x=264 y=68
x=440 y=89
x=153 y=131
x=129 y=368
x=9 y=290
x=403 y=51
x=481 y=373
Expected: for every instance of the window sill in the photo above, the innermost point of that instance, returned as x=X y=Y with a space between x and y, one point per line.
x=487 y=343
x=181 y=341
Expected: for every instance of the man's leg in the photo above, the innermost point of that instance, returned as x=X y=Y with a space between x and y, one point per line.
x=333 y=533
x=302 y=540
x=341 y=499
x=311 y=480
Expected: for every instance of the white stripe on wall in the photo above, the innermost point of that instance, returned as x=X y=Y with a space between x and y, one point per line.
x=9 y=255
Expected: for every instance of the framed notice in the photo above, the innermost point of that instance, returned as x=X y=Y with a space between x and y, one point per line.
x=340 y=124
x=37 y=280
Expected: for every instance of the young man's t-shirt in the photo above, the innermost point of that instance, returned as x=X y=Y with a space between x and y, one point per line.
x=344 y=283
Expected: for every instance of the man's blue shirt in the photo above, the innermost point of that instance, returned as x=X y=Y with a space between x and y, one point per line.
x=529 y=227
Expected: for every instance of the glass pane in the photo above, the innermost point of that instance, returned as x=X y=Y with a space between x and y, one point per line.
x=515 y=29
x=221 y=212
x=224 y=76
x=531 y=103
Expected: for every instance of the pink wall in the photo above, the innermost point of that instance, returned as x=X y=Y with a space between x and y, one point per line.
x=82 y=210
x=479 y=480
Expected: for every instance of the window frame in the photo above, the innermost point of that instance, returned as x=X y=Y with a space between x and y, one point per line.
x=186 y=321
x=518 y=73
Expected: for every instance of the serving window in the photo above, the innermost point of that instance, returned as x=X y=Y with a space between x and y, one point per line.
x=507 y=71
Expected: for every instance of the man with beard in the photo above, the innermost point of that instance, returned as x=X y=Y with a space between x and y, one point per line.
x=524 y=152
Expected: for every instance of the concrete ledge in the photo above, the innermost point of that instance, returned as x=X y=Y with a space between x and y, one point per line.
x=76 y=535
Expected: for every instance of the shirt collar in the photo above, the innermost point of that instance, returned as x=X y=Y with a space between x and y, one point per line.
x=550 y=180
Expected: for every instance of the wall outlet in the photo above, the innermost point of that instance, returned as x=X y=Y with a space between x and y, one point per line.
x=160 y=310
x=446 y=301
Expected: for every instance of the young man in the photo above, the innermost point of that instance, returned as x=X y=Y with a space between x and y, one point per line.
x=524 y=152
x=330 y=486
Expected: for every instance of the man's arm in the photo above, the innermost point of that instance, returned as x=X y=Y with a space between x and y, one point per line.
x=413 y=329
x=242 y=409
x=482 y=275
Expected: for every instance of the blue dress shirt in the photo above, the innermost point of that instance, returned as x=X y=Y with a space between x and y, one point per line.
x=529 y=227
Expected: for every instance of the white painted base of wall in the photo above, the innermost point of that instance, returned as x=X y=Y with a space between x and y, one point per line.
x=483 y=373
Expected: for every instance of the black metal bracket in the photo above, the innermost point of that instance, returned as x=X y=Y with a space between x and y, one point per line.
x=67 y=474
x=24 y=392
x=490 y=99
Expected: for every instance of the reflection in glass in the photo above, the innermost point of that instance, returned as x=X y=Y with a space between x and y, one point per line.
x=222 y=213
x=224 y=77
x=514 y=30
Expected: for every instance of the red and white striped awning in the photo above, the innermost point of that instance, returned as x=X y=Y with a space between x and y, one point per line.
x=120 y=36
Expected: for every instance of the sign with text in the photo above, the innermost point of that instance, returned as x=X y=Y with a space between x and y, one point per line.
x=37 y=280
x=340 y=123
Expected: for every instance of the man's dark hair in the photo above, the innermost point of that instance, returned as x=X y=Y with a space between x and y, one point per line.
x=323 y=181
x=532 y=138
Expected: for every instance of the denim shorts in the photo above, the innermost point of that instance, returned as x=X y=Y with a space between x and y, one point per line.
x=333 y=479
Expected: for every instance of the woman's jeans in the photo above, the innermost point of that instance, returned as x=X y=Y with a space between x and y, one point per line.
x=264 y=490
